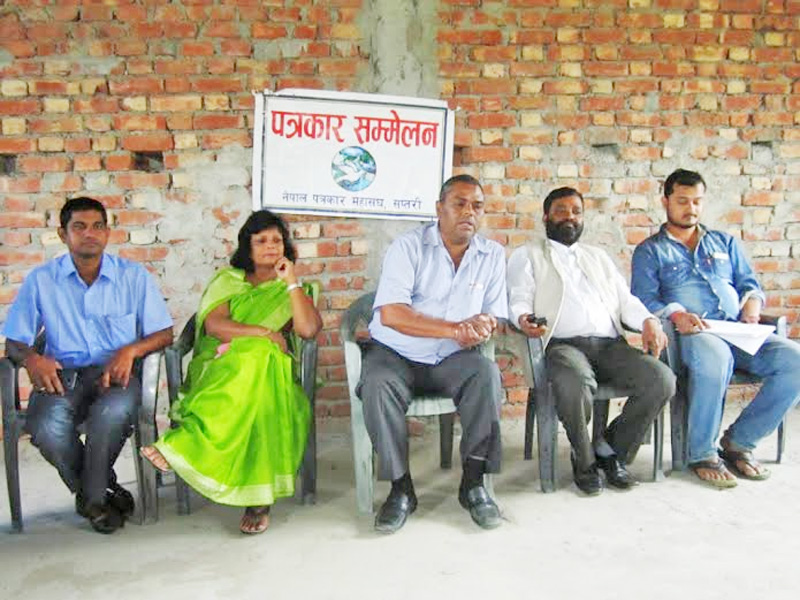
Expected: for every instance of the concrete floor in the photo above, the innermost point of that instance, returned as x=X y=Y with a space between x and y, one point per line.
x=676 y=538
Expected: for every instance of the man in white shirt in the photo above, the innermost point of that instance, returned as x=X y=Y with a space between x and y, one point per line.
x=586 y=301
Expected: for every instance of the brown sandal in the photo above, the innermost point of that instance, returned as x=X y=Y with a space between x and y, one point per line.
x=733 y=458
x=713 y=465
x=261 y=516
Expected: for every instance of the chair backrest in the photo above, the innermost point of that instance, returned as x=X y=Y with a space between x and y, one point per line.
x=357 y=313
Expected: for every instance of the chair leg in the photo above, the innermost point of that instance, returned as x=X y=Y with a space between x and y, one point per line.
x=547 y=430
x=11 y=453
x=146 y=475
x=781 y=440
x=658 y=447
x=530 y=419
x=678 y=425
x=362 y=460
x=446 y=440
x=183 y=496
x=308 y=471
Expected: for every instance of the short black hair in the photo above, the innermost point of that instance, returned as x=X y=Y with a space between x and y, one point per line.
x=256 y=223
x=79 y=204
x=448 y=185
x=682 y=177
x=557 y=194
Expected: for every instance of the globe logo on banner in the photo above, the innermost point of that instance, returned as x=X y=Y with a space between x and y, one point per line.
x=353 y=168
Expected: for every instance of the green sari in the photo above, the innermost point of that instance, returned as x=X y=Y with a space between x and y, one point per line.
x=242 y=418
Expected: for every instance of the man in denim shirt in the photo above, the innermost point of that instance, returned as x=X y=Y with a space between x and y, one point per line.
x=687 y=273
x=99 y=313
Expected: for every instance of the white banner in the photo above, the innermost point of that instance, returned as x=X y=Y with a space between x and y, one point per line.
x=348 y=154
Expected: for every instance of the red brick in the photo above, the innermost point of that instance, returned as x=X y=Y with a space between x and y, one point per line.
x=762 y=199
x=23 y=220
x=269 y=32
x=347 y=265
x=139 y=122
x=28 y=106
x=118 y=162
x=197 y=49
x=148 y=142
x=144 y=253
x=741 y=6
x=189 y=66
x=19 y=49
x=222 y=29
x=488 y=154
x=57 y=125
x=491 y=120
x=136 y=217
x=135 y=180
x=98 y=104
x=131 y=86
x=43 y=164
x=87 y=163
x=484 y=37
x=220 y=140
x=236 y=47
x=346 y=229
x=218 y=84
x=16 y=239
x=17 y=257
x=10 y=145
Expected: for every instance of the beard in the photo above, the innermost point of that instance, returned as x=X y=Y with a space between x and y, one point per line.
x=564 y=233
x=680 y=225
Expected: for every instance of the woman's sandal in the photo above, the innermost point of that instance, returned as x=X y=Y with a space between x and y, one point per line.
x=733 y=458
x=155 y=458
x=259 y=514
x=713 y=465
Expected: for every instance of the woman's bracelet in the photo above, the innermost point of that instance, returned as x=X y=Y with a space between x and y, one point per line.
x=292 y=286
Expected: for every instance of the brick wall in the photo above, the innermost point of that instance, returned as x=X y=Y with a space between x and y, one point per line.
x=609 y=96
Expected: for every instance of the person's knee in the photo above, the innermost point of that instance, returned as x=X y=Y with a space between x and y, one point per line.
x=115 y=408
x=662 y=381
x=51 y=424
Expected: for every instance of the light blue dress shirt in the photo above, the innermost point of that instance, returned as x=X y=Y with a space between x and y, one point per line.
x=712 y=281
x=419 y=272
x=85 y=325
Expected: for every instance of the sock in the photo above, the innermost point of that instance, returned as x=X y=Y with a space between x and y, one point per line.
x=474 y=468
x=404 y=484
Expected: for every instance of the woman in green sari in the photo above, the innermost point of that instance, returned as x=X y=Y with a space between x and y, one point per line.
x=242 y=418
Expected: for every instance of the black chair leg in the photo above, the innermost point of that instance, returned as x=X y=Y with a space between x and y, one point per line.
x=11 y=450
x=530 y=418
x=308 y=472
x=446 y=439
x=658 y=447
x=547 y=430
x=781 y=440
x=678 y=424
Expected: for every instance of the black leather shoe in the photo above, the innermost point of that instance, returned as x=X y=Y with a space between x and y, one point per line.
x=394 y=512
x=616 y=474
x=588 y=480
x=121 y=499
x=481 y=507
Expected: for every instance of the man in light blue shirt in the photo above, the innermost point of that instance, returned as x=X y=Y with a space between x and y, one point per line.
x=688 y=273
x=99 y=314
x=441 y=291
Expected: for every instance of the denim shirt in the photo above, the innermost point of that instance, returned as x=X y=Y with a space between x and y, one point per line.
x=714 y=281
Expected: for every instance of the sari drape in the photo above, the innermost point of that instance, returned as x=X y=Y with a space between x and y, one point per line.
x=242 y=418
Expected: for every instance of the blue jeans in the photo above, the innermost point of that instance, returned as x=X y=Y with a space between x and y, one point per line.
x=107 y=416
x=710 y=362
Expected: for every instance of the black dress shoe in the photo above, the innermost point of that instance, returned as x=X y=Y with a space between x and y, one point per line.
x=394 y=512
x=103 y=518
x=616 y=474
x=121 y=499
x=588 y=480
x=481 y=507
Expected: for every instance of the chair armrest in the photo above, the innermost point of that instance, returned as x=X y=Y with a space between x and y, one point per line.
x=778 y=321
x=308 y=368
x=8 y=388
x=151 y=370
x=535 y=352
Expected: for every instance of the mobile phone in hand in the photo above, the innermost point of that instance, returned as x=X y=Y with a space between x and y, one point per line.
x=536 y=321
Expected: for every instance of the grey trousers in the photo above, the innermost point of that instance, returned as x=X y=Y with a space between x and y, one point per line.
x=574 y=368
x=108 y=416
x=390 y=381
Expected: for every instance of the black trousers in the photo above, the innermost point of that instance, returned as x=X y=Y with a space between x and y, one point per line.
x=389 y=382
x=108 y=416
x=574 y=368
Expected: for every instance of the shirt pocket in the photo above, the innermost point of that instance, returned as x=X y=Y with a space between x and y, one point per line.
x=119 y=330
x=674 y=275
x=721 y=265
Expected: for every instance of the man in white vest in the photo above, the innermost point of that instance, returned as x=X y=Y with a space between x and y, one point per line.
x=586 y=301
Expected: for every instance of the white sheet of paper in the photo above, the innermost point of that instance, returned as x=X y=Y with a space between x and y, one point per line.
x=747 y=336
